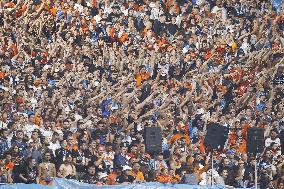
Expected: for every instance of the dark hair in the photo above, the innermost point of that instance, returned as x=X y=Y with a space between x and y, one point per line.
x=65 y=120
x=19 y=131
x=30 y=159
x=100 y=122
x=2 y=131
x=274 y=130
x=280 y=180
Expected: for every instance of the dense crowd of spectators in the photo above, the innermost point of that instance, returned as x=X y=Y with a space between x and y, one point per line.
x=81 y=79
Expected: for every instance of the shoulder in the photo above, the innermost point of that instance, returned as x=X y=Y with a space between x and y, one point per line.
x=140 y=174
x=61 y=165
x=84 y=177
x=58 y=150
x=268 y=139
x=131 y=178
x=118 y=178
x=94 y=158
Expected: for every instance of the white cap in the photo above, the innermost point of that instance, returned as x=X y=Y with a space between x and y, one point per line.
x=45 y=67
x=96 y=83
x=126 y=167
x=103 y=175
x=215 y=173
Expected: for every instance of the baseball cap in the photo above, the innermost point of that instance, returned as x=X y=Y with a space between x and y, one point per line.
x=103 y=175
x=231 y=152
x=126 y=167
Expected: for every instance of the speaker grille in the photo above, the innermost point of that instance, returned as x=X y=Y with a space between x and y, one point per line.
x=216 y=136
x=255 y=140
x=153 y=140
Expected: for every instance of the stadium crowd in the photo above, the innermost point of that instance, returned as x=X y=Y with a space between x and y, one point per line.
x=81 y=79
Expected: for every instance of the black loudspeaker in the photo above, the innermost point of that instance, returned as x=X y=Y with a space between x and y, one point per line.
x=281 y=137
x=216 y=136
x=255 y=140
x=153 y=140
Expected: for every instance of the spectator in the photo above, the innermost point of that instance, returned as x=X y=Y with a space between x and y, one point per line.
x=5 y=175
x=67 y=169
x=138 y=175
x=125 y=176
x=189 y=177
x=30 y=173
x=81 y=80
x=81 y=158
x=90 y=177
x=47 y=170
x=122 y=159
x=272 y=139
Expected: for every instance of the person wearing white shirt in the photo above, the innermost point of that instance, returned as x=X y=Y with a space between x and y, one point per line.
x=47 y=132
x=78 y=7
x=3 y=121
x=109 y=157
x=164 y=69
x=156 y=10
x=107 y=9
x=219 y=7
x=54 y=143
x=272 y=139
x=159 y=163
x=29 y=127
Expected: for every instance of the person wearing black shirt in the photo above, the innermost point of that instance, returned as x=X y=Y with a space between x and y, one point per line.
x=98 y=161
x=146 y=91
x=4 y=146
x=250 y=173
x=264 y=179
x=17 y=159
x=160 y=25
x=62 y=153
x=281 y=136
x=19 y=141
x=81 y=158
x=66 y=129
x=29 y=173
x=100 y=133
x=126 y=176
x=91 y=176
x=172 y=27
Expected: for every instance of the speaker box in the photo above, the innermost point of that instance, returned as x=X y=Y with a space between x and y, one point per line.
x=153 y=140
x=281 y=137
x=255 y=140
x=216 y=136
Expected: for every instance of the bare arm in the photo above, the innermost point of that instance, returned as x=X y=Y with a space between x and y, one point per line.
x=148 y=99
x=61 y=172
x=23 y=178
x=39 y=170
x=40 y=9
x=206 y=62
x=186 y=100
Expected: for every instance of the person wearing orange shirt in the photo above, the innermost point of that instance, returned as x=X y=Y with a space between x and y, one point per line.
x=175 y=177
x=142 y=76
x=164 y=177
x=2 y=75
x=111 y=180
x=5 y=175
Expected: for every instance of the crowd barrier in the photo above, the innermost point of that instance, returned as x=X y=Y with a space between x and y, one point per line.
x=72 y=184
